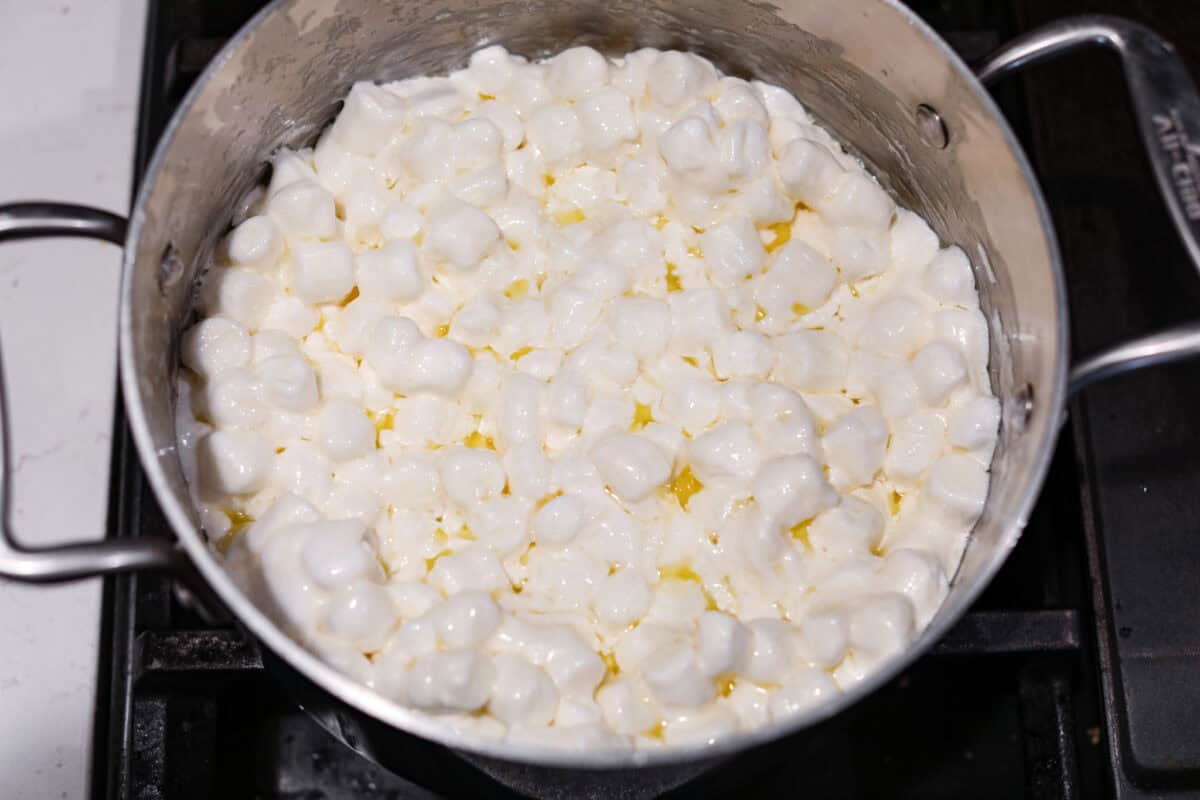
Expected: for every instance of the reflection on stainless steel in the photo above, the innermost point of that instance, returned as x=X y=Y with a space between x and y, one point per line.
x=83 y=559
x=1167 y=110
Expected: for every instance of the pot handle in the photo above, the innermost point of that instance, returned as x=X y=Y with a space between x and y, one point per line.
x=1167 y=108
x=82 y=559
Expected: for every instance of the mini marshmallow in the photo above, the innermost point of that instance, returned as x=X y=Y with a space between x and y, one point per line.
x=939 y=369
x=471 y=475
x=974 y=424
x=949 y=279
x=323 y=271
x=809 y=172
x=857 y=200
x=607 y=118
x=632 y=466
x=798 y=279
x=916 y=443
x=455 y=680
x=675 y=78
x=558 y=521
x=769 y=654
x=576 y=71
x=288 y=382
x=723 y=644
x=675 y=678
x=343 y=430
x=621 y=598
x=409 y=363
x=897 y=326
x=957 y=485
x=728 y=450
x=461 y=234
x=743 y=354
x=390 y=272
x=555 y=133
x=852 y=528
x=811 y=361
x=303 y=210
x=213 y=345
x=233 y=462
x=856 y=446
x=522 y=693
x=793 y=489
x=256 y=243
x=733 y=252
x=232 y=400
x=642 y=326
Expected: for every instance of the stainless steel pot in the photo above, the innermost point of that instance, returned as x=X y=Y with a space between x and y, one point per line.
x=869 y=70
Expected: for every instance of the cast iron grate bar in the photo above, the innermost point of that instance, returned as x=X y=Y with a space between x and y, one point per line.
x=979 y=633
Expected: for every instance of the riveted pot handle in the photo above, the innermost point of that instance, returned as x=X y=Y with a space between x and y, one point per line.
x=1167 y=107
x=83 y=559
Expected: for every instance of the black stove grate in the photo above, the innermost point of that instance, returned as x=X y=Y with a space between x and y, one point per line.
x=1018 y=701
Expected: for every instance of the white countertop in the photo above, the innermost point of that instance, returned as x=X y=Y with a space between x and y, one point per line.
x=69 y=76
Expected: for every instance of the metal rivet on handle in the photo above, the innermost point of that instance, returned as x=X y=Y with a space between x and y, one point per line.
x=1023 y=405
x=170 y=269
x=932 y=127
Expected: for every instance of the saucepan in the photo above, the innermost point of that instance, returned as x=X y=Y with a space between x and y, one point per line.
x=869 y=70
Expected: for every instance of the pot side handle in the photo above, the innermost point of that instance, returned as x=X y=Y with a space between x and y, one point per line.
x=82 y=559
x=1167 y=107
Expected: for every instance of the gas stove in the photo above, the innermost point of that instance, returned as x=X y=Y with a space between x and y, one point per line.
x=1076 y=675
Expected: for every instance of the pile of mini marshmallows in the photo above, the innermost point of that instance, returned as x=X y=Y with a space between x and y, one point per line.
x=588 y=402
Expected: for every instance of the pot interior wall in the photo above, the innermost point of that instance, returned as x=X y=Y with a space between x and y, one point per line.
x=861 y=66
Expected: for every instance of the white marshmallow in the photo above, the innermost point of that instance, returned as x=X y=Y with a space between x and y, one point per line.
x=558 y=522
x=255 y=243
x=728 y=450
x=461 y=234
x=793 y=489
x=733 y=252
x=213 y=345
x=323 y=271
x=471 y=475
x=390 y=272
x=522 y=693
x=974 y=424
x=456 y=680
x=632 y=466
x=723 y=644
x=303 y=210
x=856 y=446
x=811 y=361
x=577 y=71
x=343 y=430
x=233 y=462
x=939 y=369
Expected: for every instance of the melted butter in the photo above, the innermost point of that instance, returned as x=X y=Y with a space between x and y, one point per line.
x=484 y=96
x=442 y=331
x=384 y=422
x=572 y=217
x=725 y=683
x=540 y=504
x=513 y=246
x=520 y=353
x=760 y=313
x=799 y=309
x=642 y=416
x=478 y=440
x=430 y=562
x=691 y=361
x=517 y=289
x=548 y=180
x=695 y=252
x=683 y=486
x=782 y=233
x=658 y=731
x=524 y=559
x=853 y=290
x=238 y=522
x=799 y=532
x=660 y=222
x=894 y=502
x=349 y=298
x=673 y=282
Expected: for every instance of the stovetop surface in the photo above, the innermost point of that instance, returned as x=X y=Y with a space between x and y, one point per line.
x=1076 y=675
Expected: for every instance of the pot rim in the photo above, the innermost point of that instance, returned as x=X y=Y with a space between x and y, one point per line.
x=367 y=701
